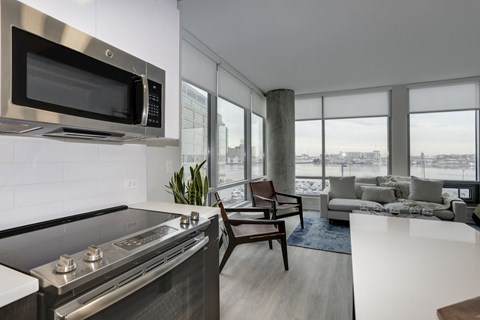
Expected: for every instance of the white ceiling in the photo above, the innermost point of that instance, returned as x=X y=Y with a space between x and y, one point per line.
x=326 y=45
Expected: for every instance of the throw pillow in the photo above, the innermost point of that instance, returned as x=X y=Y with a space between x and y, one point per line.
x=399 y=184
x=342 y=187
x=425 y=190
x=359 y=190
x=378 y=194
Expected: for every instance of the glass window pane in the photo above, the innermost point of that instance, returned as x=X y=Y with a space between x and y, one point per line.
x=442 y=145
x=308 y=186
x=356 y=147
x=257 y=146
x=194 y=106
x=233 y=195
x=230 y=142
x=308 y=148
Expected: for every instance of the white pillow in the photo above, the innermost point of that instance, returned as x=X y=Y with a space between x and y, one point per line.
x=425 y=190
x=342 y=187
x=378 y=194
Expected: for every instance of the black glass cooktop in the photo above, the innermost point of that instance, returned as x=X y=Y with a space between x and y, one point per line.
x=28 y=247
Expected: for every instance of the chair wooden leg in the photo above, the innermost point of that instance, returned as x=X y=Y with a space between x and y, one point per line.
x=226 y=255
x=301 y=219
x=270 y=244
x=284 y=252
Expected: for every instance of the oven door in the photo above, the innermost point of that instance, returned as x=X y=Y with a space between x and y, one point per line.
x=173 y=289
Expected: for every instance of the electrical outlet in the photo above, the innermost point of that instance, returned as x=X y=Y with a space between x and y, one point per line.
x=131 y=183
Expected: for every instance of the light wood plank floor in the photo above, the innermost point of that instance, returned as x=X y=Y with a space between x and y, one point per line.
x=254 y=285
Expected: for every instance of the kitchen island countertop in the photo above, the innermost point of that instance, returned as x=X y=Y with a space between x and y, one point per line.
x=205 y=212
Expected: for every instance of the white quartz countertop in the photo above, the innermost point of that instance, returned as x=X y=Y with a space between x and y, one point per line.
x=15 y=285
x=205 y=212
x=408 y=268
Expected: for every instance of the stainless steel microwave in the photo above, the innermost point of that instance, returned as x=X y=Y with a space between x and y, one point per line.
x=57 y=81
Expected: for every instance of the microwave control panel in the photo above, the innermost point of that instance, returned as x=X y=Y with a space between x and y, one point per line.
x=154 y=104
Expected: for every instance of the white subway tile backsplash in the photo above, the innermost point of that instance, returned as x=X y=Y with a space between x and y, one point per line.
x=133 y=170
x=7 y=154
x=93 y=170
x=7 y=198
x=115 y=186
x=127 y=152
x=31 y=150
x=11 y=218
x=23 y=174
x=54 y=192
x=81 y=152
x=43 y=179
x=76 y=206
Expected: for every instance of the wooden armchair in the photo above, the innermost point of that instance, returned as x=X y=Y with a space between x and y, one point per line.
x=264 y=195
x=240 y=231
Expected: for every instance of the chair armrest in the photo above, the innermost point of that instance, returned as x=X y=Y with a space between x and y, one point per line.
x=298 y=198
x=266 y=211
x=459 y=210
x=272 y=201
x=279 y=223
x=324 y=199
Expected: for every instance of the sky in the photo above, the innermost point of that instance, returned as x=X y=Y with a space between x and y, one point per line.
x=430 y=133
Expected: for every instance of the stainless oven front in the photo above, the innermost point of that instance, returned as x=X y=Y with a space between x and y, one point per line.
x=169 y=286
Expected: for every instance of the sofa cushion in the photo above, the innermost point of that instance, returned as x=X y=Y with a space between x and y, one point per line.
x=403 y=208
x=366 y=180
x=359 y=190
x=349 y=204
x=425 y=190
x=444 y=214
x=378 y=194
x=342 y=187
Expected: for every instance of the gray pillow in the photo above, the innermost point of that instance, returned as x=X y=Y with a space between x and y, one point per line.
x=378 y=194
x=342 y=187
x=425 y=190
x=359 y=190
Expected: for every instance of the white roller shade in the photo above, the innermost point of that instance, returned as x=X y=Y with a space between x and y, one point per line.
x=308 y=108
x=459 y=96
x=231 y=88
x=357 y=105
x=259 y=105
x=198 y=68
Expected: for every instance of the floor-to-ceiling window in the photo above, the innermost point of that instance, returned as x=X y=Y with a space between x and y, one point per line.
x=308 y=157
x=341 y=134
x=222 y=122
x=194 y=125
x=356 y=147
x=230 y=142
x=443 y=131
x=257 y=149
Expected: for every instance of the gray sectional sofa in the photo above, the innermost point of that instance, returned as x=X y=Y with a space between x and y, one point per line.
x=346 y=194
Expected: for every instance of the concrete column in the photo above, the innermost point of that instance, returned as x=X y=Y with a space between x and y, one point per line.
x=281 y=139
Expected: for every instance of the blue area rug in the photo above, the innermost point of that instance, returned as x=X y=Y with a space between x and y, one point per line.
x=320 y=235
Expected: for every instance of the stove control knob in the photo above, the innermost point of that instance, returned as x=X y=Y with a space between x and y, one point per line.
x=93 y=254
x=194 y=216
x=65 y=264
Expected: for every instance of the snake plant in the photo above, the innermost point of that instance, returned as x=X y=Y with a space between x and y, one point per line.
x=193 y=191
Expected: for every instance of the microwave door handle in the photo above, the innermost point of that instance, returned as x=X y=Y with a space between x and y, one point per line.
x=146 y=104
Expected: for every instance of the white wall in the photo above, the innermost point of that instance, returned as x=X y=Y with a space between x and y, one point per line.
x=42 y=179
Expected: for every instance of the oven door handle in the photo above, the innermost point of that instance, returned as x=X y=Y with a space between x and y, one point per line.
x=75 y=310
